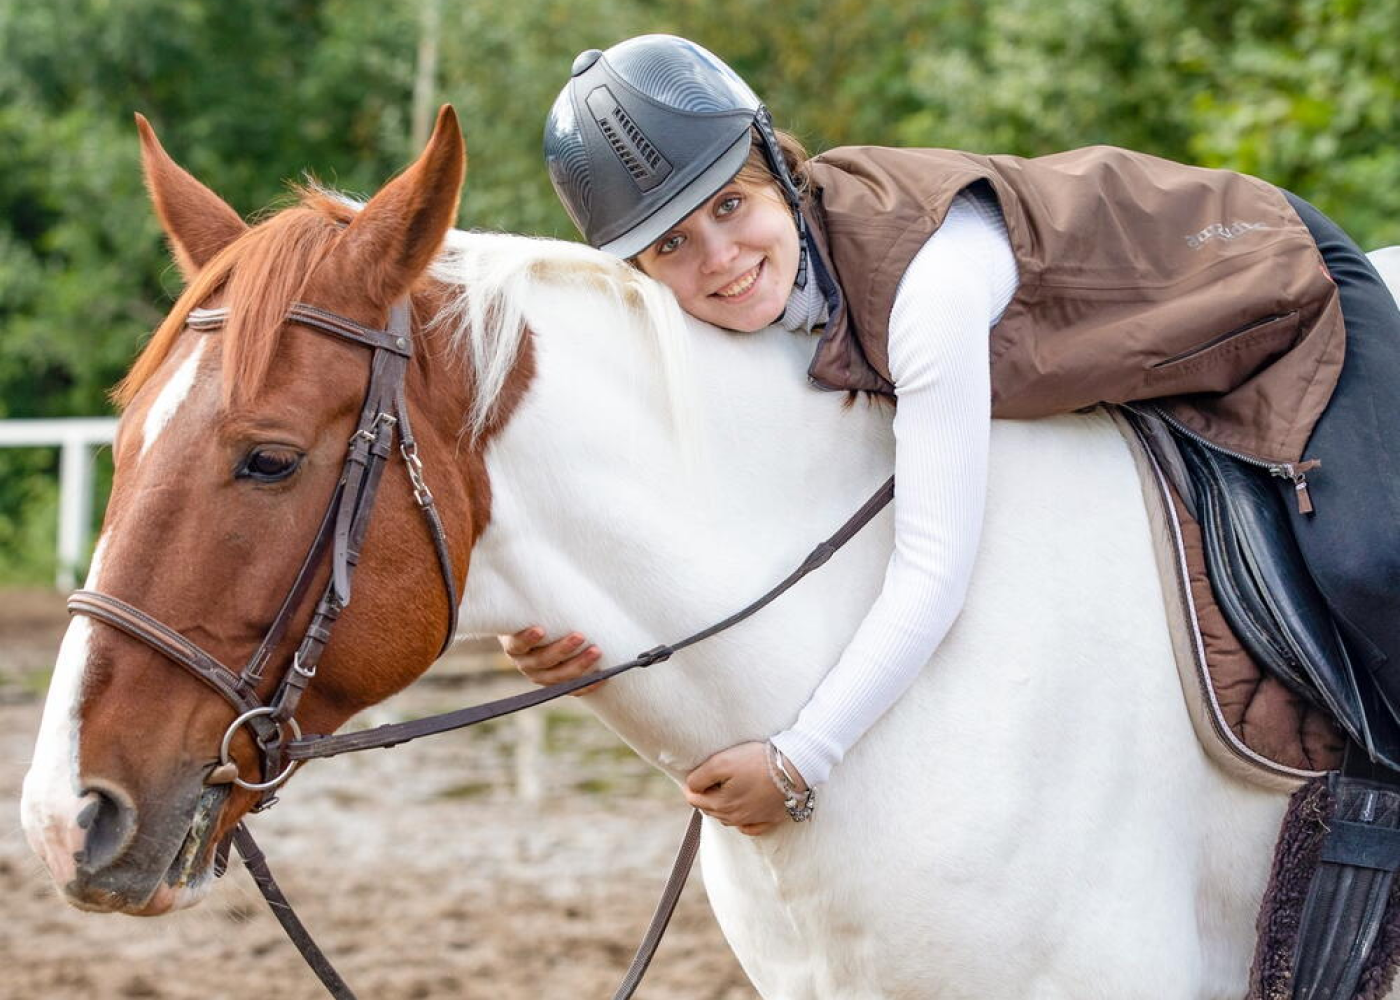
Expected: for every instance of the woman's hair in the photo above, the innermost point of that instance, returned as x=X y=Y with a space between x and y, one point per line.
x=755 y=170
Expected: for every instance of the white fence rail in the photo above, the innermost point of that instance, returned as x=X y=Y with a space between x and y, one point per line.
x=75 y=437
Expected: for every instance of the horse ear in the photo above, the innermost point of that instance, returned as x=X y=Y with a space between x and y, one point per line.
x=197 y=221
x=396 y=235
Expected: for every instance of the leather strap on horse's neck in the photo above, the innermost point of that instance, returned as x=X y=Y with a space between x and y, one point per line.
x=297 y=933
x=391 y=735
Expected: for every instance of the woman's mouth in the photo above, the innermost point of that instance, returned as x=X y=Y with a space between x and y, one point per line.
x=742 y=285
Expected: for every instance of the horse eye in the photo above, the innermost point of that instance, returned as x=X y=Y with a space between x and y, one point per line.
x=269 y=465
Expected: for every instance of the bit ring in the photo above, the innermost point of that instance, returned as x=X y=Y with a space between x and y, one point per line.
x=226 y=758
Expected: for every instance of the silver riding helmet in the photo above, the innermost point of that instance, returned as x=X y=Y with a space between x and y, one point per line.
x=645 y=132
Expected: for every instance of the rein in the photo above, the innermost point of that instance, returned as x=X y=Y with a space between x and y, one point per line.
x=340 y=536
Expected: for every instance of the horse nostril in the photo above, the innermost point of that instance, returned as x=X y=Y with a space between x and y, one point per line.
x=110 y=821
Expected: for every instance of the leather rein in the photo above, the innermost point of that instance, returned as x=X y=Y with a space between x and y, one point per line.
x=340 y=538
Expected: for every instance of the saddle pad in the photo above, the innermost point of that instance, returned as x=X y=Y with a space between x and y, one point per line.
x=1248 y=721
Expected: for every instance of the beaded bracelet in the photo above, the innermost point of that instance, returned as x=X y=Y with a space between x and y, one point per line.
x=799 y=805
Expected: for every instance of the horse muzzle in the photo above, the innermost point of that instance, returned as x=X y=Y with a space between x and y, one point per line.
x=138 y=859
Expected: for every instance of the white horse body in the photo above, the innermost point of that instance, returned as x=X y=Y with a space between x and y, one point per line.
x=1034 y=818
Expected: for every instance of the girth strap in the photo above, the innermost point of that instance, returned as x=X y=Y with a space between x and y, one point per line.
x=1345 y=912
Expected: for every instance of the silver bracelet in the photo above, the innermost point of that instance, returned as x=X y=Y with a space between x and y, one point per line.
x=799 y=805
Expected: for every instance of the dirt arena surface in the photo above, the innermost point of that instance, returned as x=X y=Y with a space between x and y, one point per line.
x=425 y=871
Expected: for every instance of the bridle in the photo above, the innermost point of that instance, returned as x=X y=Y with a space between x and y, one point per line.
x=340 y=538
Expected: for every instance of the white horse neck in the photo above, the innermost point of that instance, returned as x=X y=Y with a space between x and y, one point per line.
x=605 y=520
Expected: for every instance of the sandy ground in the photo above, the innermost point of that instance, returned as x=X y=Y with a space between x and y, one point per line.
x=423 y=871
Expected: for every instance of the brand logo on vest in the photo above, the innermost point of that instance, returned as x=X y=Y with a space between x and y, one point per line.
x=1225 y=232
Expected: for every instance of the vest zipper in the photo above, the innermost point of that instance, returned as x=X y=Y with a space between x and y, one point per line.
x=1223 y=338
x=1293 y=471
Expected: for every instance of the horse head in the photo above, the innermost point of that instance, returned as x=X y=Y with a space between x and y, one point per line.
x=230 y=447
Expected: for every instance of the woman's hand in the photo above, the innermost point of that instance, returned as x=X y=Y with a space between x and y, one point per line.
x=734 y=787
x=549 y=662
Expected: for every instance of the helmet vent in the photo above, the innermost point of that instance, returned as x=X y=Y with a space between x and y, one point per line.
x=642 y=160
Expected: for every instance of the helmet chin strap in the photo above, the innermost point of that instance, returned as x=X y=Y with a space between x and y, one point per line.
x=778 y=165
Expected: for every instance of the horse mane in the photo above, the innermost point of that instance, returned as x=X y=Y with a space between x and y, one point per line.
x=488 y=278
x=261 y=274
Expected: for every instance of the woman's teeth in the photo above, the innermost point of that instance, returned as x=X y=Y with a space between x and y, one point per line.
x=742 y=284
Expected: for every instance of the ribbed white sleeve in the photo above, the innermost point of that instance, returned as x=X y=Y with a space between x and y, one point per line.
x=953 y=292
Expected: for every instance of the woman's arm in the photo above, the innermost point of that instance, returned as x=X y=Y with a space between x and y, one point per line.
x=948 y=299
x=953 y=292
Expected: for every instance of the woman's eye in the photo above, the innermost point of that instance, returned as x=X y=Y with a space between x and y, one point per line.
x=269 y=465
x=670 y=244
x=729 y=205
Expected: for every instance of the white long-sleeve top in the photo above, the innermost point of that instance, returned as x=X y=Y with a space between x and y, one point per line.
x=948 y=299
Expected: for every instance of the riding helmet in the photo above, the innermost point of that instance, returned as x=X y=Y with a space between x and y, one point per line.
x=645 y=132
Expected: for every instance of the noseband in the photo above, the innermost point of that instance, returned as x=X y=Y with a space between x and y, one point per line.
x=340 y=537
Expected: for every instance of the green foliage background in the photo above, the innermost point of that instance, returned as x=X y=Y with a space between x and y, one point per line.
x=1304 y=93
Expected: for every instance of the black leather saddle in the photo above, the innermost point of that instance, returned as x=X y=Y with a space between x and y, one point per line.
x=1268 y=597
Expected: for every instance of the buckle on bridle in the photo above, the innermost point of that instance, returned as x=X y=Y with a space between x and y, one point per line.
x=308 y=674
x=370 y=434
x=657 y=654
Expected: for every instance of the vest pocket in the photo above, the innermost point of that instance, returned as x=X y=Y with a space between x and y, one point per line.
x=1223 y=362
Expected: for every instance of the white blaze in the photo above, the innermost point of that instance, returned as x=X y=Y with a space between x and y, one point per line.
x=172 y=394
x=50 y=803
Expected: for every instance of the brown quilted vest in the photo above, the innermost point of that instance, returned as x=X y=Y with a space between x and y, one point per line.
x=1140 y=278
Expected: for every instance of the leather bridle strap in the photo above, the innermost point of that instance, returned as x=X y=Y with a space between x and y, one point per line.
x=342 y=533
x=391 y=735
x=340 y=537
x=252 y=673
x=665 y=907
x=256 y=863
x=313 y=746
x=164 y=640
x=423 y=497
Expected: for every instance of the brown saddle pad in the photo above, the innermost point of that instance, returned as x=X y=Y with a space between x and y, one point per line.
x=1248 y=721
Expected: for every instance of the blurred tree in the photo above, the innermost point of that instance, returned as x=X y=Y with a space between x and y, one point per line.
x=249 y=94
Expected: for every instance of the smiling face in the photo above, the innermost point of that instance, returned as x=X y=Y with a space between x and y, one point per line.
x=731 y=262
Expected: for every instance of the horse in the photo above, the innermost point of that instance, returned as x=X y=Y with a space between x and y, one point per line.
x=1034 y=818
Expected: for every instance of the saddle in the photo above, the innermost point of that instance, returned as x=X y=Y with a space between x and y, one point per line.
x=1329 y=927
x=1262 y=589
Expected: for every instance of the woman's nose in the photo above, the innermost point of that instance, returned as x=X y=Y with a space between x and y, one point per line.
x=716 y=252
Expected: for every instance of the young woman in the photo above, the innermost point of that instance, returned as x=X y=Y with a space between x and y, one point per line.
x=1101 y=275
